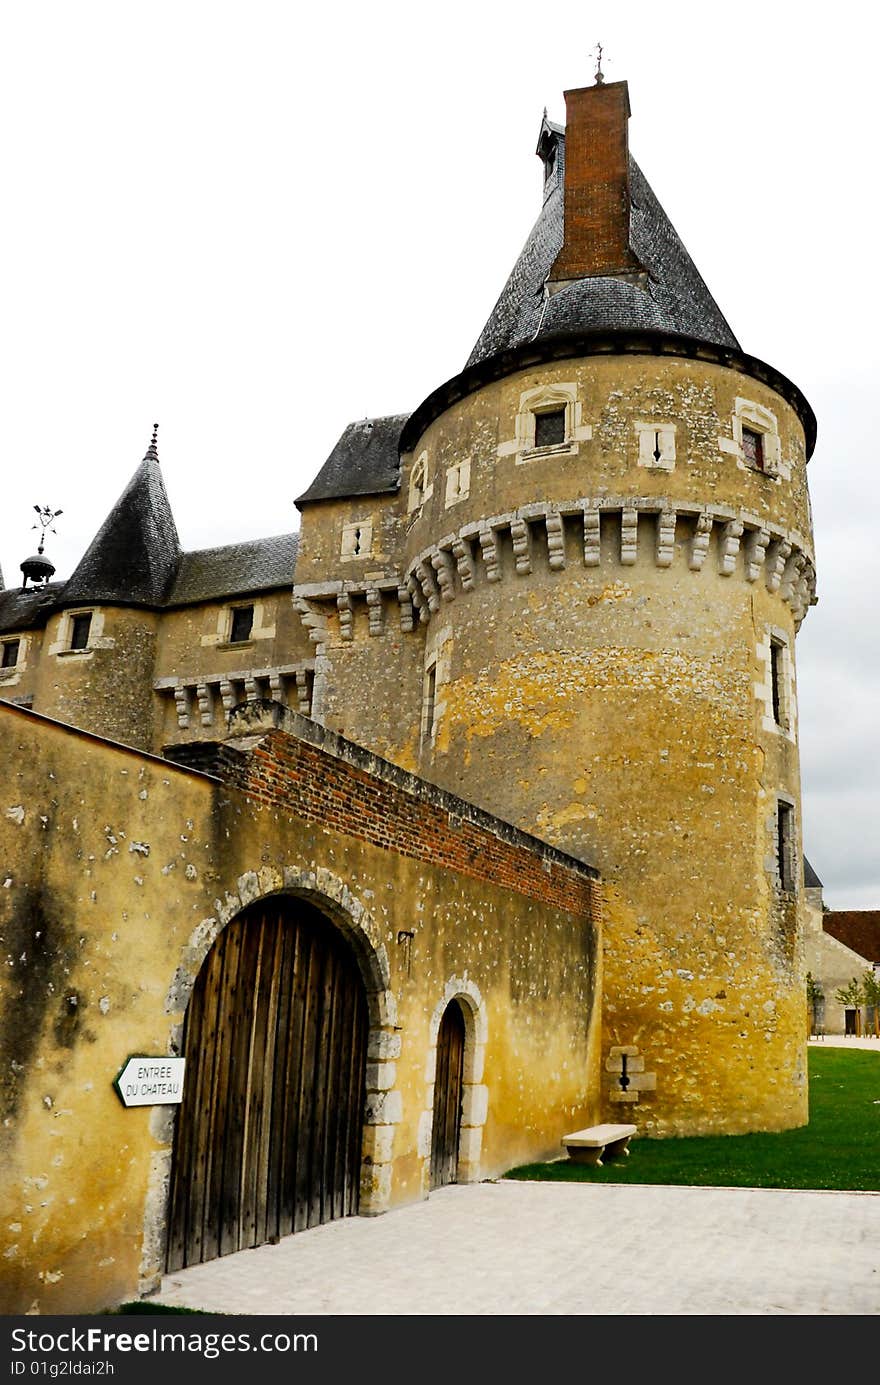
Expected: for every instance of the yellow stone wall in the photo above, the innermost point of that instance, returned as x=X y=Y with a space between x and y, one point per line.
x=107 y=687
x=194 y=652
x=617 y=704
x=119 y=870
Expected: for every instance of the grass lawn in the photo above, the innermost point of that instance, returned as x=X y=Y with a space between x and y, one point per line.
x=840 y=1148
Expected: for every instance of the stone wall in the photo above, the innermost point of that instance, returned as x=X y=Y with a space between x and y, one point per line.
x=120 y=870
x=597 y=643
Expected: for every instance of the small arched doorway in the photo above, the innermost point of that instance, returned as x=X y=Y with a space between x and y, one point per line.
x=446 y=1126
x=268 y=1136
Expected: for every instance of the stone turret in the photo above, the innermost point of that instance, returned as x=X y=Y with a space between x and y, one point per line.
x=576 y=605
x=101 y=640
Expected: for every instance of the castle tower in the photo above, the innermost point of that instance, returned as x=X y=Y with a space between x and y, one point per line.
x=602 y=540
x=99 y=649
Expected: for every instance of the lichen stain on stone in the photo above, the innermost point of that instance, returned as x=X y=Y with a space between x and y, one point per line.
x=555 y=821
x=545 y=691
x=43 y=948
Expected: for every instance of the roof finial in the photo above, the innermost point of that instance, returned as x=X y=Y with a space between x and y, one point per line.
x=38 y=569
x=600 y=76
x=152 y=453
x=45 y=516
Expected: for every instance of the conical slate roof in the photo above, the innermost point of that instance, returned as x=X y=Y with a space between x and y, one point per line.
x=134 y=556
x=670 y=296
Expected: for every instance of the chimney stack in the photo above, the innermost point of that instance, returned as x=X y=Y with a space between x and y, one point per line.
x=596 y=198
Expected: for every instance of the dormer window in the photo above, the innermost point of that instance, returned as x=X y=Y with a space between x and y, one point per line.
x=10 y=650
x=550 y=428
x=756 y=439
x=549 y=423
x=80 y=626
x=753 y=447
x=241 y=625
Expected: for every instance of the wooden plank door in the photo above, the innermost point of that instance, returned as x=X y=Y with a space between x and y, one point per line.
x=446 y=1129
x=268 y=1135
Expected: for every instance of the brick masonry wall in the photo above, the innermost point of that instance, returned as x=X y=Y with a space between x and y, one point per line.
x=281 y=770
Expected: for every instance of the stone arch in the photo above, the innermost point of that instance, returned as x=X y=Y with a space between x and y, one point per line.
x=329 y=894
x=475 y=1096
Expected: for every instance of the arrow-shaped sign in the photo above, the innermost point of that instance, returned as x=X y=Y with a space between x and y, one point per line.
x=151 y=1082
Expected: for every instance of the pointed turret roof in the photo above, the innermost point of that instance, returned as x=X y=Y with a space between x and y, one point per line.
x=619 y=265
x=134 y=556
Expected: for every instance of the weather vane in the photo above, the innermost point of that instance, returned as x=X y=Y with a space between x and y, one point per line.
x=600 y=76
x=45 y=515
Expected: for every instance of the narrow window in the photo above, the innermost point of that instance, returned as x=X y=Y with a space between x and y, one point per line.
x=10 y=653
x=242 y=624
x=753 y=447
x=79 y=631
x=785 y=845
x=550 y=428
x=777 y=666
x=430 y=699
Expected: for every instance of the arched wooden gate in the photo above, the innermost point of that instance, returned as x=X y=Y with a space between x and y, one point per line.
x=448 y=1081
x=268 y=1137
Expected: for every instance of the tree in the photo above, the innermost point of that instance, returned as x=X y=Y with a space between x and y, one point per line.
x=852 y=996
x=815 y=1002
x=871 y=991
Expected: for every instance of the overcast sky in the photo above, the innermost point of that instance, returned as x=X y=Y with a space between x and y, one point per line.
x=255 y=223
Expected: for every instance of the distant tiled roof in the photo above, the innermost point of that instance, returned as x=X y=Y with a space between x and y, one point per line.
x=23 y=610
x=365 y=461
x=133 y=558
x=858 y=929
x=210 y=574
x=675 y=298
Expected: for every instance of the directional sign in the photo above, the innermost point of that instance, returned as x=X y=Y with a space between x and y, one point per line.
x=151 y=1082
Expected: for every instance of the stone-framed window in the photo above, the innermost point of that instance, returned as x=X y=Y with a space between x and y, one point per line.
x=420 y=487
x=656 y=445
x=429 y=704
x=785 y=848
x=357 y=539
x=9 y=653
x=80 y=629
x=775 y=690
x=778 y=690
x=80 y=633
x=241 y=623
x=756 y=438
x=458 y=482
x=549 y=424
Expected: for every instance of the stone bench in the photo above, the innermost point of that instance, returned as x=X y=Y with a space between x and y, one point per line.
x=590 y=1146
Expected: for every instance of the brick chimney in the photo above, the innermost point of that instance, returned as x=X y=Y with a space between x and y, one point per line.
x=596 y=185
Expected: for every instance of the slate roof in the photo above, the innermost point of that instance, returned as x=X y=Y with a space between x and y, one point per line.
x=365 y=461
x=22 y=610
x=136 y=560
x=858 y=929
x=209 y=574
x=134 y=556
x=674 y=299
x=811 y=879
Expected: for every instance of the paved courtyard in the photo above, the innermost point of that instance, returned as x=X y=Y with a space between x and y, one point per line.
x=512 y=1248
